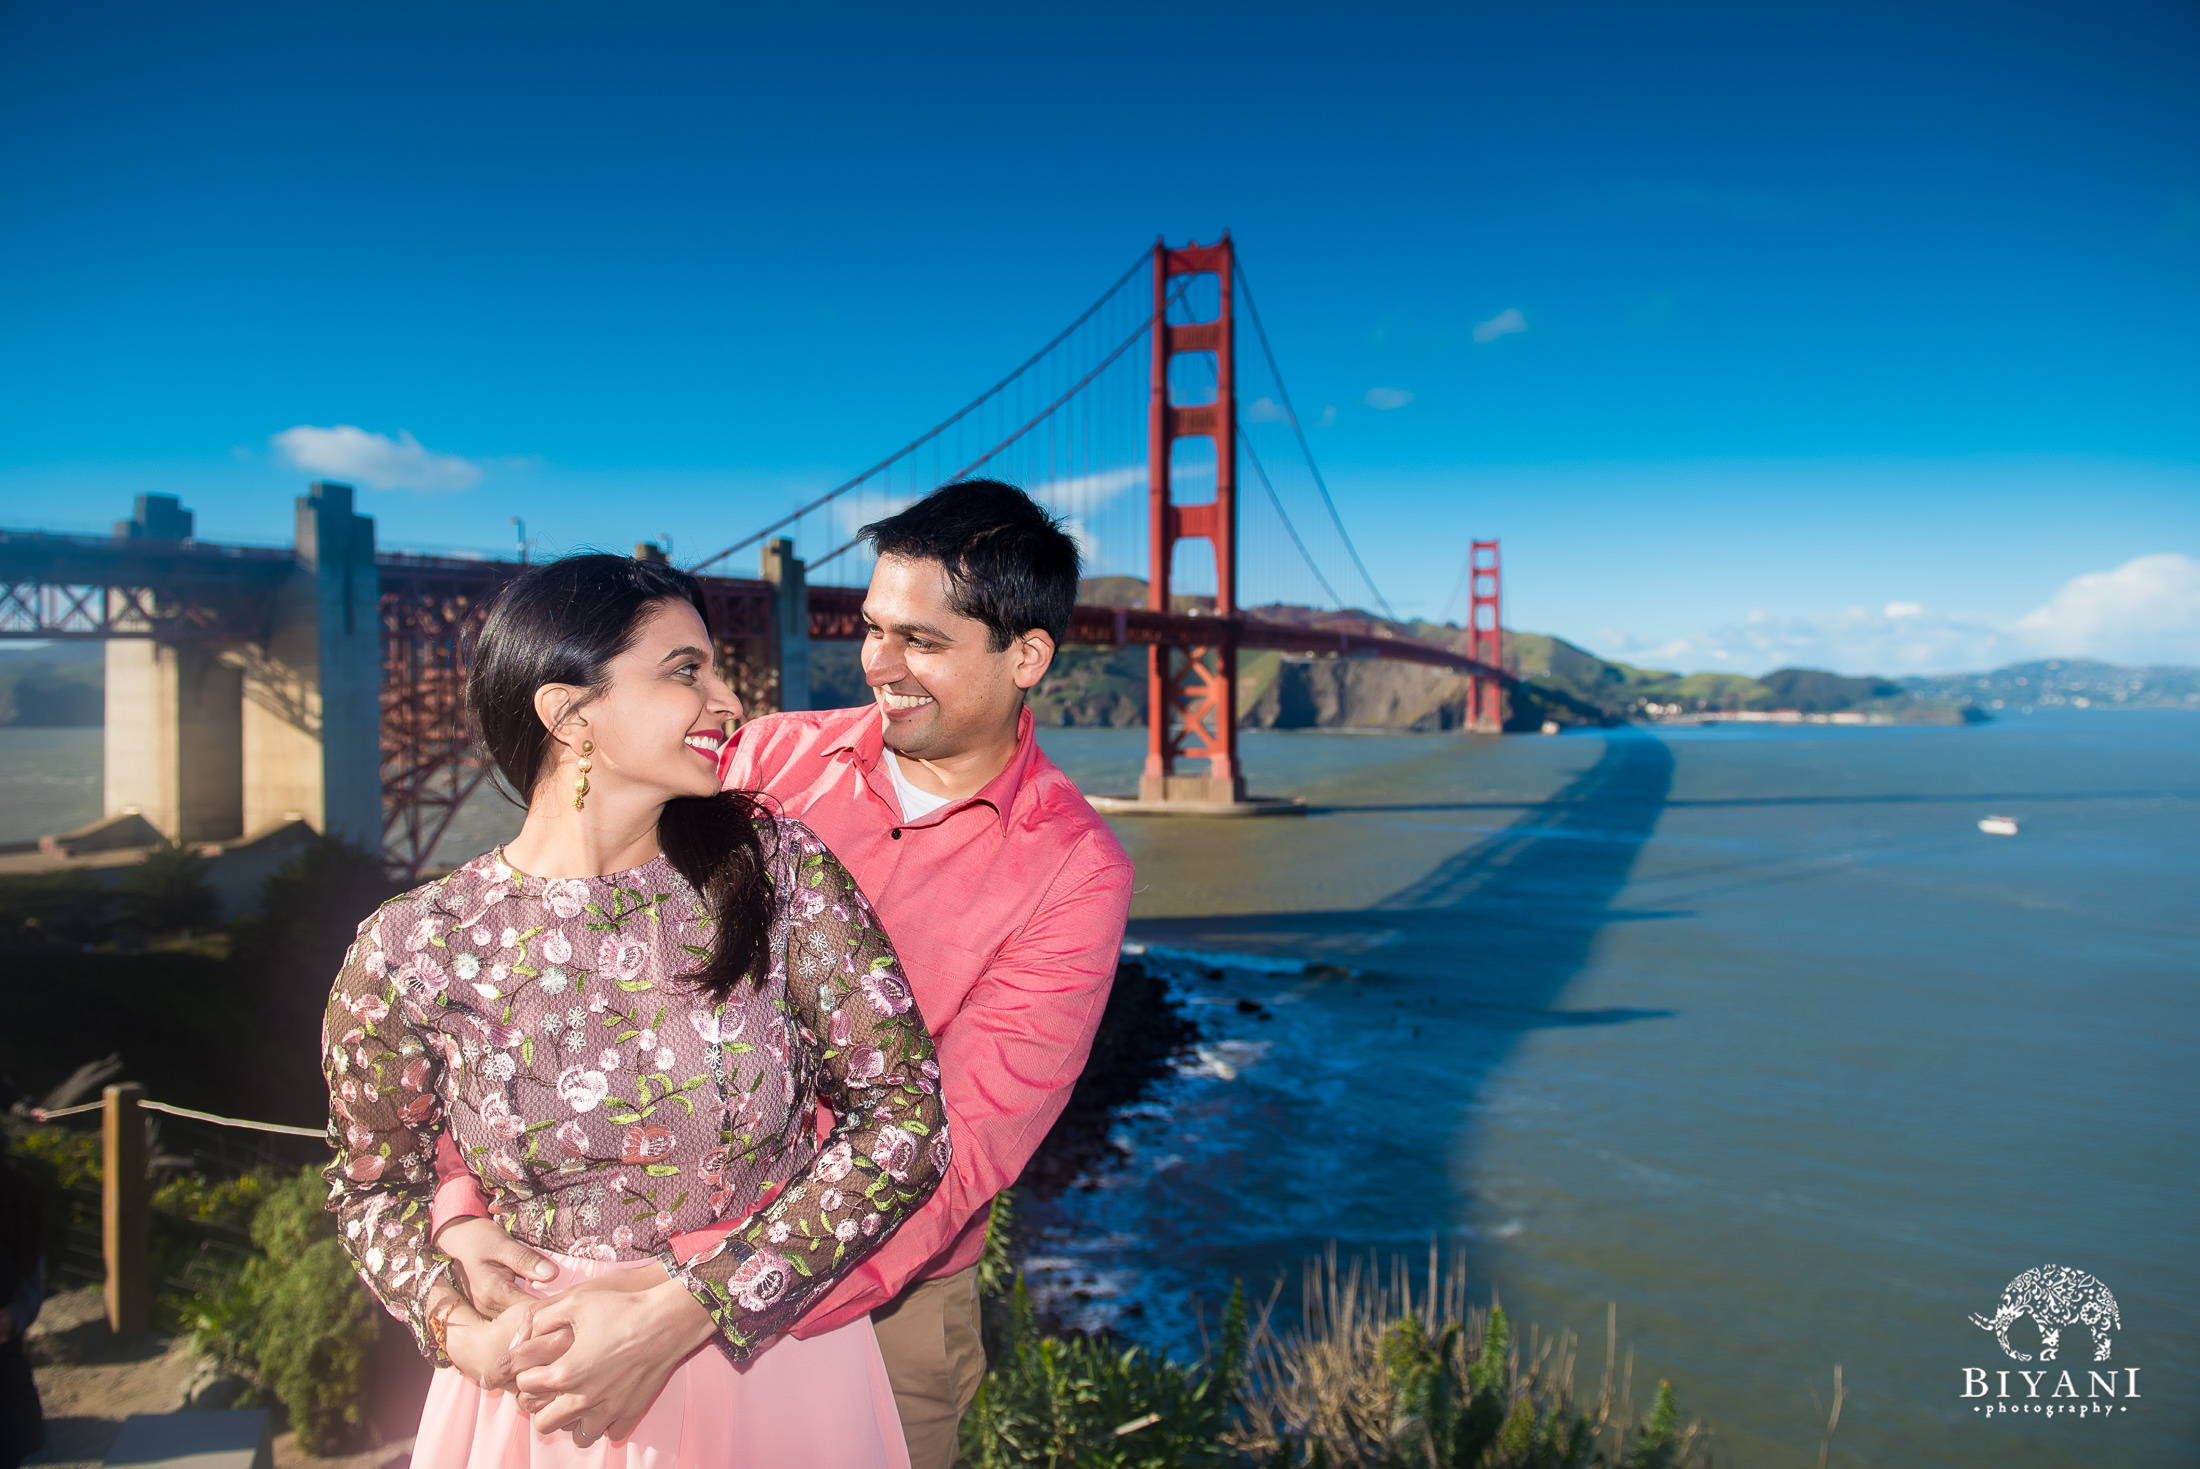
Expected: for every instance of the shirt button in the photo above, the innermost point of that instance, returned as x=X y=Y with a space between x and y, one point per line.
x=895 y=833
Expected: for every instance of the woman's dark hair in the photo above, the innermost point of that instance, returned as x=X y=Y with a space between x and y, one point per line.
x=563 y=622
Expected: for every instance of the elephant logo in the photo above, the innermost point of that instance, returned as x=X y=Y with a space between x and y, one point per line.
x=2054 y=1296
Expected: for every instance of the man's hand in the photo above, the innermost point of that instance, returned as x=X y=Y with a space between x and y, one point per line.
x=602 y=1356
x=500 y=1272
x=481 y=1348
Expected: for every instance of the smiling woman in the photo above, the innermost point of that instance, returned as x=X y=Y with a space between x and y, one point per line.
x=621 y=1027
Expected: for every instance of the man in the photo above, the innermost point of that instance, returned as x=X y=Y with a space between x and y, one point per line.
x=1003 y=892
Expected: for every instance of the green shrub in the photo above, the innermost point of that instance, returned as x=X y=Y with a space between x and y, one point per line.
x=1077 y=1402
x=1086 y=1403
x=201 y=1238
x=167 y=894
x=63 y=1164
x=295 y=1321
x=316 y=1342
x=71 y=906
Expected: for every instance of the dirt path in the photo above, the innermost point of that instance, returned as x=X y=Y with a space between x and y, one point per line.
x=90 y=1382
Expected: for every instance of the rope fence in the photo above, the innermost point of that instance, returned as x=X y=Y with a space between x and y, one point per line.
x=40 y=1114
x=127 y=1164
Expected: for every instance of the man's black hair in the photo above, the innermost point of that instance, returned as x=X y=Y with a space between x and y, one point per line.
x=1010 y=564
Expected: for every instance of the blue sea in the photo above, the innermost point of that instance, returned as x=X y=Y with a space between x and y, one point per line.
x=1749 y=1031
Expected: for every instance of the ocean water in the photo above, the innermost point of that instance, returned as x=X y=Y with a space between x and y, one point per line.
x=1750 y=1031
x=49 y=781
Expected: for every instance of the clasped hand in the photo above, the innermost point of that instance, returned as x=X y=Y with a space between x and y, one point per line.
x=590 y=1359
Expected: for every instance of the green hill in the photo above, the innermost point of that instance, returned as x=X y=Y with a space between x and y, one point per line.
x=1561 y=683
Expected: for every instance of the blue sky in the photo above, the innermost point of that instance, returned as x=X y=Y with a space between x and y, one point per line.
x=1865 y=336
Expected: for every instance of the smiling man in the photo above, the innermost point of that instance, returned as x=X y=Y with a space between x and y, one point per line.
x=1004 y=894
x=1002 y=890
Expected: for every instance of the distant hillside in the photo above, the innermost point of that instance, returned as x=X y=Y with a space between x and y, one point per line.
x=1561 y=683
x=55 y=686
x=1623 y=691
x=2074 y=682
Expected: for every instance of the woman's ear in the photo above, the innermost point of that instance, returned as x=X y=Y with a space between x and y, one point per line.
x=554 y=706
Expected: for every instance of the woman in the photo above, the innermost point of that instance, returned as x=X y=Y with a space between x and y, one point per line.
x=625 y=1018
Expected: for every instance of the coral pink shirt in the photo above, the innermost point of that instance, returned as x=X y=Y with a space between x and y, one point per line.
x=1007 y=909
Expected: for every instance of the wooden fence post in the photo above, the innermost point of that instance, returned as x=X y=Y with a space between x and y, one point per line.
x=126 y=1212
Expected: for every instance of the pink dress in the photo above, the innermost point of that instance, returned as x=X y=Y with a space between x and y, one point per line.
x=607 y=1109
x=818 y=1403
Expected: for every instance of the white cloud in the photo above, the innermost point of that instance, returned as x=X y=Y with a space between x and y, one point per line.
x=1266 y=410
x=2146 y=611
x=1504 y=324
x=1383 y=400
x=375 y=460
x=1329 y=416
x=1069 y=497
x=1101 y=487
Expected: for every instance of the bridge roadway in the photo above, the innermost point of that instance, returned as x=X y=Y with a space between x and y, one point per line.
x=241 y=662
x=94 y=588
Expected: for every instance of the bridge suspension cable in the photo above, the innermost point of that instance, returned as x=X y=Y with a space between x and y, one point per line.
x=1276 y=500
x=1070 y=425
x=1306 y=449
x=1137 y=266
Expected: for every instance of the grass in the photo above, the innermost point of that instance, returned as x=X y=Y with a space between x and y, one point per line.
x=1393 y=1368
x=1384 y=1369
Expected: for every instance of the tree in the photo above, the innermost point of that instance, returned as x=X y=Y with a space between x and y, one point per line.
x=167 y=895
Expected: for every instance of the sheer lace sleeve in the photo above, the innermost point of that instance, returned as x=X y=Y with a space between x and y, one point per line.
x=384 y=1114
x=858 y=1026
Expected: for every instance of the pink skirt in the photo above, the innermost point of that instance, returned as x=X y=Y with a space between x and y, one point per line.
x=821 y=1403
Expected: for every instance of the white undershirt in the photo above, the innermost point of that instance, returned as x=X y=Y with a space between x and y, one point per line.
x=915 y=804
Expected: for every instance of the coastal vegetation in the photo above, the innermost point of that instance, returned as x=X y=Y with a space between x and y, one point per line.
x=1372 y=1376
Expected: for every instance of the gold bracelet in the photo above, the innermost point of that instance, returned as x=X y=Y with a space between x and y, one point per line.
x=439 y=1324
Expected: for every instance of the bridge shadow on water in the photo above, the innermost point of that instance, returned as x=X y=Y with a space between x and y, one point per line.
x=1343 y=1117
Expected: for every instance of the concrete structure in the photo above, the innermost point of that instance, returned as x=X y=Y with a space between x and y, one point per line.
x=175 y=738
x=791 y=610
x=275 y=722
x=313 y=691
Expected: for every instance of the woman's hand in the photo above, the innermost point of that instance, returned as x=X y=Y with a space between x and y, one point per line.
x=619 y=1348
x=481 y=1347
x=500 y=1272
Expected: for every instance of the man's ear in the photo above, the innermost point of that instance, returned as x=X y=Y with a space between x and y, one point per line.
x=1034 y=655
x=554 y=706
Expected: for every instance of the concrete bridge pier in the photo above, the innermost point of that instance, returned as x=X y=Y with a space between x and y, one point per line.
x=784 y=571
x=210 y=742
x=175 y=738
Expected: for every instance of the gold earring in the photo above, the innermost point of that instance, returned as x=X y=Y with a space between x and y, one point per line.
x=580 y=787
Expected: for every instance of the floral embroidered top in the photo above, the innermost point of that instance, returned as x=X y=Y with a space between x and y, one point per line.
x=606 y=1106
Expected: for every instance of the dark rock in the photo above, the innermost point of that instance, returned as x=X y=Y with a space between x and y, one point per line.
x=1141 y=1034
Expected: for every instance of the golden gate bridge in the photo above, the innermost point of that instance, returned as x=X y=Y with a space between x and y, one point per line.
x=325 y=683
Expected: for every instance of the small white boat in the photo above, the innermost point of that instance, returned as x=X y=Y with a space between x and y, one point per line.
x=1999 y=826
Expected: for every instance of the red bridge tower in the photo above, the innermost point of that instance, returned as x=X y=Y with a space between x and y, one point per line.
x=1485 y=641
x=1191 y=693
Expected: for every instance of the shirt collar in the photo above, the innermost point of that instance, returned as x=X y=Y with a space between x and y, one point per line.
x=866 y=741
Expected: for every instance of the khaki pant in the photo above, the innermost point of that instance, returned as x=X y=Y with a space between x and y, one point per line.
x=934 y=1356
